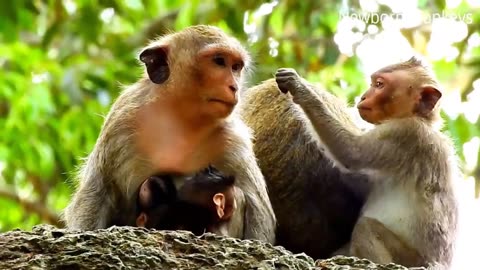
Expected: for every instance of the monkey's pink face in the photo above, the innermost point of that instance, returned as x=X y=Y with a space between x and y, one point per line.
x=389 y=97
x=220 y=78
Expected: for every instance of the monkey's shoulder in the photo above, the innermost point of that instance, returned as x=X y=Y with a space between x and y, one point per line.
x=411 y=129
x=413 y=136
x=236 y=131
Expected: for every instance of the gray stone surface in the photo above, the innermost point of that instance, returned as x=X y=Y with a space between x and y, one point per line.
x=47 y=247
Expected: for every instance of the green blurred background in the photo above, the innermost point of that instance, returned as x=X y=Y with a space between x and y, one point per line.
x=64 y=61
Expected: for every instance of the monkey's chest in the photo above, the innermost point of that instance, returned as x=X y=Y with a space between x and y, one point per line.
x=395 y=207
x=186 y=156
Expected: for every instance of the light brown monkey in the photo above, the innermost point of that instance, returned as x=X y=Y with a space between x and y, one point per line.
x=410 y=216
x=315 y=203
x=178 y=118
x=204 y=203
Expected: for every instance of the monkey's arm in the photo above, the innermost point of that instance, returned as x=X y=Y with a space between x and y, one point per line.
x=94 y=204
x=89 y=208
x=259 y=221
x=329 y=117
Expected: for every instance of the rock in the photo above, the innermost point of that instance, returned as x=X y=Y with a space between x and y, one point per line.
x=47 y=247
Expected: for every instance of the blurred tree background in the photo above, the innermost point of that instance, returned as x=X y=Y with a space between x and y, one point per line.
x=64 y=62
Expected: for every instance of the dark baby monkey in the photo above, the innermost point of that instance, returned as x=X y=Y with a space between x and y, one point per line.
x=203 y=203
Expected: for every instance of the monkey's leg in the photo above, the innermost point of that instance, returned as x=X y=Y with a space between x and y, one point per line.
x=89 y=208
x=344 y=250
x=367 y=241
x=373 y=241
x=240 y=210
x=235 y=227
x=260 y=222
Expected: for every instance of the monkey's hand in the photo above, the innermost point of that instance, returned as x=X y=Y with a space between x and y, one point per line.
x=288 y=80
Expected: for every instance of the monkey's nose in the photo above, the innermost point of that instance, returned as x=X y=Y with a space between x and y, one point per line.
x=233 y=88
x=362 y=98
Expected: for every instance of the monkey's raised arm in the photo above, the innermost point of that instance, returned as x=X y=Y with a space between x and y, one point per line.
x=345 y=142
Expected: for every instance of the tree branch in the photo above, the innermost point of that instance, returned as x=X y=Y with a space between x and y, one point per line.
x=33 y=207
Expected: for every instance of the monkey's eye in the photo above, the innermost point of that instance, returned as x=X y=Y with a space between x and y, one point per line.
x=237 y=66
x=219 y=60
x=379 y=84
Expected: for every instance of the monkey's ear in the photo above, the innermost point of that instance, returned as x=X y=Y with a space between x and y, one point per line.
x=230 y=210
x=155 y=60
x=142 y=220
x=429 y=97
x=219 y=201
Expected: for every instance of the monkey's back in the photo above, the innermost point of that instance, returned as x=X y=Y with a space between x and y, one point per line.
x=316 y=204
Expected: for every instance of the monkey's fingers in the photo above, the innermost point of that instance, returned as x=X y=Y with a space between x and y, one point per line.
x=286 y=79
x=282 y=86
x=285 y=83
x=289 y=71
x=142 y=220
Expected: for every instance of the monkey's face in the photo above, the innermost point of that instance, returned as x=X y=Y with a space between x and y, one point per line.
x=219 y=72
x=391 y=95
x=201 y=66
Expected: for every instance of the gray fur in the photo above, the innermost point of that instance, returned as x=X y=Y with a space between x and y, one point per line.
x=412 y=164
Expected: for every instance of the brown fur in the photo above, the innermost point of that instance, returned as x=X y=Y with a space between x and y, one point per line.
x=169 y=123
x=315 y=203
x=411 y=163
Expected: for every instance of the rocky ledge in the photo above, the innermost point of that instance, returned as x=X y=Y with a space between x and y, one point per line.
x=47 y=247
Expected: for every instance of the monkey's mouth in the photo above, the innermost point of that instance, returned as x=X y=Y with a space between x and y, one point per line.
x=227 y=103
x=363 y=108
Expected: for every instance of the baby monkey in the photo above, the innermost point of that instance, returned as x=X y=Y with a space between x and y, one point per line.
x=202 y=204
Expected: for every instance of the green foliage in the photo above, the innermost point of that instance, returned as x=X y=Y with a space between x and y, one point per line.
x=64 y=63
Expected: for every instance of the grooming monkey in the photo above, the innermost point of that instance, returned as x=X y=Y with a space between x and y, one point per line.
x=178 y=118
x=410 y=216
x=204 y=203
x=315 y=203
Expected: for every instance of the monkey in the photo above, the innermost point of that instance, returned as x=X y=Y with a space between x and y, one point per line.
x=410 y=216
x=179 y=117
x=316 y=204
x=203 y=203
x=216 y=192
x=155 y=198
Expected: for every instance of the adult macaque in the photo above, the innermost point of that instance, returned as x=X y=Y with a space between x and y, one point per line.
x=315 y=203
x=205 y=202
x=410 y=216
x=178 y=118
